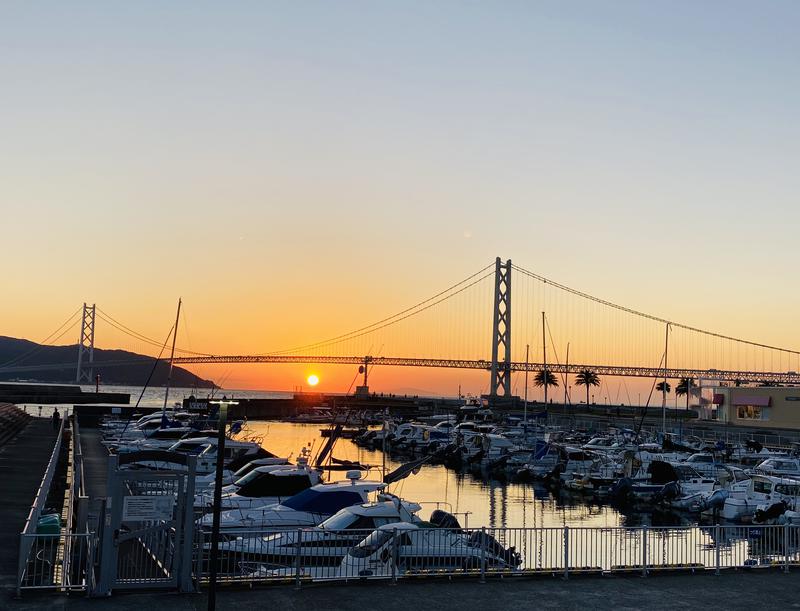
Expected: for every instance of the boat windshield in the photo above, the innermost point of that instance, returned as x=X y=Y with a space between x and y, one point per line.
x=282 y=484
x=762 y=486
x=371 y=544
x=244 y=470
x=319 y=501
x=788 y=489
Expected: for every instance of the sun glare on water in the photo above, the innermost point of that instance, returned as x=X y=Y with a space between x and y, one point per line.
x=313 y=380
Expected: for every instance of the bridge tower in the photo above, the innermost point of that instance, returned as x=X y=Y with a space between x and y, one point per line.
x=86 y=346
x=501 y=331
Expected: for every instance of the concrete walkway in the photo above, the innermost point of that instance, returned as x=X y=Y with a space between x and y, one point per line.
x=23 y=461
x=733 y=590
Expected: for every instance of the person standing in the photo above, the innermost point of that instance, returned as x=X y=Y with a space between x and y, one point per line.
x=56 y=419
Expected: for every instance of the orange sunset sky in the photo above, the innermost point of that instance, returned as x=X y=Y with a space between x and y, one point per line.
x=295 y=171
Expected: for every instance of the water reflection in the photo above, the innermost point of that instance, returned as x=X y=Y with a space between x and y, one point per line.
x=475 y=501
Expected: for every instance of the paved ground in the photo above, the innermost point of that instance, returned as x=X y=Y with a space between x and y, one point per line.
x=22 y=465
x=739 y=590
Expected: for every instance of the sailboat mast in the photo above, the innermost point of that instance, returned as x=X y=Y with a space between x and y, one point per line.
x=171 y=357
x=544 y=356
x=527 y=353
x=664 y=388
x=566 y=396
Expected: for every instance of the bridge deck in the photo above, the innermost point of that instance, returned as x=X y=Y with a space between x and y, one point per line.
x=23 y=461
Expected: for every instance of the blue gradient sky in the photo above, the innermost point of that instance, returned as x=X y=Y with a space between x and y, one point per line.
x=255 y=156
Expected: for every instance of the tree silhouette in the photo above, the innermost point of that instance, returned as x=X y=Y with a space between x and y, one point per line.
x=587 y=378
x=539 y=379
x=684 y=387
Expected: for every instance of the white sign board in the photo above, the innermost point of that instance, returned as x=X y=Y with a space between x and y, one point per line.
x=140 y=508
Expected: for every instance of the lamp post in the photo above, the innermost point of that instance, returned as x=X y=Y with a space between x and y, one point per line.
x=223 y=418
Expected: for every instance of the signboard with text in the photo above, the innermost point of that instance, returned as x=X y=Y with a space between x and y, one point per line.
x=141 y=508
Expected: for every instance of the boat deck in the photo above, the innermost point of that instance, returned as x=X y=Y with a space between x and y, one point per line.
x=23 y=461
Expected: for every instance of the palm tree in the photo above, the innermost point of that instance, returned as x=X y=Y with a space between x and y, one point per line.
x=663 y=387
x=684 y=387
x=587 y=378
x=540 y=380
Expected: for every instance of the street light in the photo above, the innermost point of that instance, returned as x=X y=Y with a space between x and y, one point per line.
x=223 y=419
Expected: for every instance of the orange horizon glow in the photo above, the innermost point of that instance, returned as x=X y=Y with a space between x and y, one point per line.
x=296 y=174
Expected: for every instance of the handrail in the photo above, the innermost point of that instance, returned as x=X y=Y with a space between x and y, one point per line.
x=44 y=486
x=38 y=505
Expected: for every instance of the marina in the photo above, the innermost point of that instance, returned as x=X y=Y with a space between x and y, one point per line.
x=412 y=503
x=353 y=305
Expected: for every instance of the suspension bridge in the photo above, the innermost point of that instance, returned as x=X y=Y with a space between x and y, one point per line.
x=470 y=325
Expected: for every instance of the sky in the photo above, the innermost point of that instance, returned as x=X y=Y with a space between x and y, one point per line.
x=296 y=170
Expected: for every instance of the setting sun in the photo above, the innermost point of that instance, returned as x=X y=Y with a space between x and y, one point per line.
x=313 y=380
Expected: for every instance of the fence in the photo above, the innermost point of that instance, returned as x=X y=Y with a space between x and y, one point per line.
x=56 y=562
x=314 y=555
x=60 y=559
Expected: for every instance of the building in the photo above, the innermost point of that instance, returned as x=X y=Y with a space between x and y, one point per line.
x=765 y=406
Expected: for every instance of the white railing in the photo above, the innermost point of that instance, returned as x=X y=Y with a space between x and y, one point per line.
x=28 y=535
x=57 y=562
x=63 y=560
x=269 y=556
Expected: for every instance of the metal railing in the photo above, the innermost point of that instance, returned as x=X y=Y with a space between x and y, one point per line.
x=57 y=562
x=271 y=556
x=60 y=560
x=28 y=536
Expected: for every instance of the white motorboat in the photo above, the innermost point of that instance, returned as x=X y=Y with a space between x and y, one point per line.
x=262 y=486
x=308 y=508
x=763 y=491
x=201 y=482
x=779 y=467
x=237 y=453
x=328 y=543
x=408 y=548
x=419 y=549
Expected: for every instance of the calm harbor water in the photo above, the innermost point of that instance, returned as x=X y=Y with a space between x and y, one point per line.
x=475 y=501
x=488 y=503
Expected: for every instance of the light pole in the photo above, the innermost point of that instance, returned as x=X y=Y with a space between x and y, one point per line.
x=223 y=418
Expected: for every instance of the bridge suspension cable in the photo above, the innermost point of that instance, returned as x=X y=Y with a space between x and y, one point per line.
x=674 y=324
x=107 y=318
x=418 y=308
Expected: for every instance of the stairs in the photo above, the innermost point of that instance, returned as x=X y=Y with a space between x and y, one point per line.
x=12 y=421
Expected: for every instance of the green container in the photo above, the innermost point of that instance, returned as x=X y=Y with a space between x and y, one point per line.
x=49 y=524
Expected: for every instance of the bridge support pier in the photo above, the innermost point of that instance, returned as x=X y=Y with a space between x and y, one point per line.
x=86 y=346
x=501 y=331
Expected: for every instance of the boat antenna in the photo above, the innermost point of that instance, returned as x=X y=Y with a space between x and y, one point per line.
x=171 y=358
x=383 y=445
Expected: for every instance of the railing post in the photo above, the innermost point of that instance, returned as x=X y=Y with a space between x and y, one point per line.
x=786 y=547
x=91 y=542
x=297 y=560
x=566 y=552
x=394 y=556
x=644 y=551
x=717 y=538
x=22 y=565
x=483 y=554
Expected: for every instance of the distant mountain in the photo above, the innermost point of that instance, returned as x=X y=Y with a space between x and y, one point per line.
x=133 y=371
